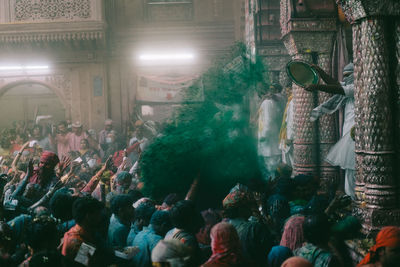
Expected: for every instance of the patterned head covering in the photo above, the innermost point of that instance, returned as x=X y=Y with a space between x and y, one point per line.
x=389 y=236
x=239 y=195
x=348 y=70
x=292 y=236
x=225 y=245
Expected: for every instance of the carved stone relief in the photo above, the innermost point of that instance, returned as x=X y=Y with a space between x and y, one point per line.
x=35 y=10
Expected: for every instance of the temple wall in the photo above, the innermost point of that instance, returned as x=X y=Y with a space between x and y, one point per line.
x=90 y=47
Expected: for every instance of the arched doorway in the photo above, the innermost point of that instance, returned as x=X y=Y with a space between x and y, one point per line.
x=25 y=101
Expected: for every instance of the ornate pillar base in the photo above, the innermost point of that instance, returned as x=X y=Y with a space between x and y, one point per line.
x=374 y=219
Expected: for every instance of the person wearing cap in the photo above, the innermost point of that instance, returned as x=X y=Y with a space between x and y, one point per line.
x=60 y=139
x=77 y=135
x=343 y=152
x=103 y=134
x=270 y=116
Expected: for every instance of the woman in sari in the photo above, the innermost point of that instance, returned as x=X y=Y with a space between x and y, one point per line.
x=225 y=245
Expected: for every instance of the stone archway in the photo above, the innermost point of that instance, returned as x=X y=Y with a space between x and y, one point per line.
x=23 y=99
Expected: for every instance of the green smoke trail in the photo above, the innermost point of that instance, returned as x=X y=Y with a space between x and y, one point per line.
x=212 y=139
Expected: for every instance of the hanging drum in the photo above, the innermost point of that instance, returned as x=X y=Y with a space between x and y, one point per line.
x=302 y=73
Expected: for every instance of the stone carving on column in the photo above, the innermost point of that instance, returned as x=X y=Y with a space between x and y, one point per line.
x=304 y=37
x=378 y=130
x=304 y=140
x=328 y=134
x=397 y=94
x=375 y=111
x=359 y=126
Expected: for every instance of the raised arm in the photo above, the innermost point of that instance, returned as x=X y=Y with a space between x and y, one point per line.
x=325 y=76
x=62 y=166
x=16 y=159
x=46 y=198
x=191 y=194
x=21 y=187
x=94 y=181
x=332 y=86
x=332 y=89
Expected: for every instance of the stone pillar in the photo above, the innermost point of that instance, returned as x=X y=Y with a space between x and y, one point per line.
x=397 y=94
x=376 y=100
x=359 y=126
x=328 y=132
x=311 y=40
x=378 y=149
x=304 y=144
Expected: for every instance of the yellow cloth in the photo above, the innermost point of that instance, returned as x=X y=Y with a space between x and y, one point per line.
x=283 y=131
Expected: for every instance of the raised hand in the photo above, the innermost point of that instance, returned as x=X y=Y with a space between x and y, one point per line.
x=29 y=170
x=109 y=163
x=24 y=146
x=64 y=163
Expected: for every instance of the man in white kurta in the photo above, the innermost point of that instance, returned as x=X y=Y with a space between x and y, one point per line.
x=269 y=123
x=343 y=152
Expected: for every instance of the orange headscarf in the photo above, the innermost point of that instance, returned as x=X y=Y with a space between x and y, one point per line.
x=389 y=236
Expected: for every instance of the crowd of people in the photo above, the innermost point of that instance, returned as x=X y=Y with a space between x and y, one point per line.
x=72 y=197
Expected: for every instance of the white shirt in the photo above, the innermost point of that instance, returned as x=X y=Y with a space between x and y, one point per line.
x=269 y=124
x=348 y=108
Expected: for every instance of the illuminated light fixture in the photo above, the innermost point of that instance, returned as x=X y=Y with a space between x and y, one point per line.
x=152 y=57
x=29 y=67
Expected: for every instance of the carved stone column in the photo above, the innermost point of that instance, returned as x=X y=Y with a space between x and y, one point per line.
x=328 y=134
x=311 y=40
x=397 y=94
x=376 y=100
x=359 y=126
x=378 y=149
x=304 y=140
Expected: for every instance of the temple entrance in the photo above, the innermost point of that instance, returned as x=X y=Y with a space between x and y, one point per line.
x=27 y=102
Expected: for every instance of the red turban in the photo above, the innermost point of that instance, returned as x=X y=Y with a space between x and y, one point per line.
x=50 y=158
x=389 y=236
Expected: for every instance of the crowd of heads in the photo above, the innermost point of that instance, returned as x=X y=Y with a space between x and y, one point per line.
x=55 y=208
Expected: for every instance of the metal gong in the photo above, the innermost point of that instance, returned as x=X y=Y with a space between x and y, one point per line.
x=302 y=73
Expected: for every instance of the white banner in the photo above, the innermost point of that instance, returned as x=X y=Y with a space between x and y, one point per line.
x=168 y=89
